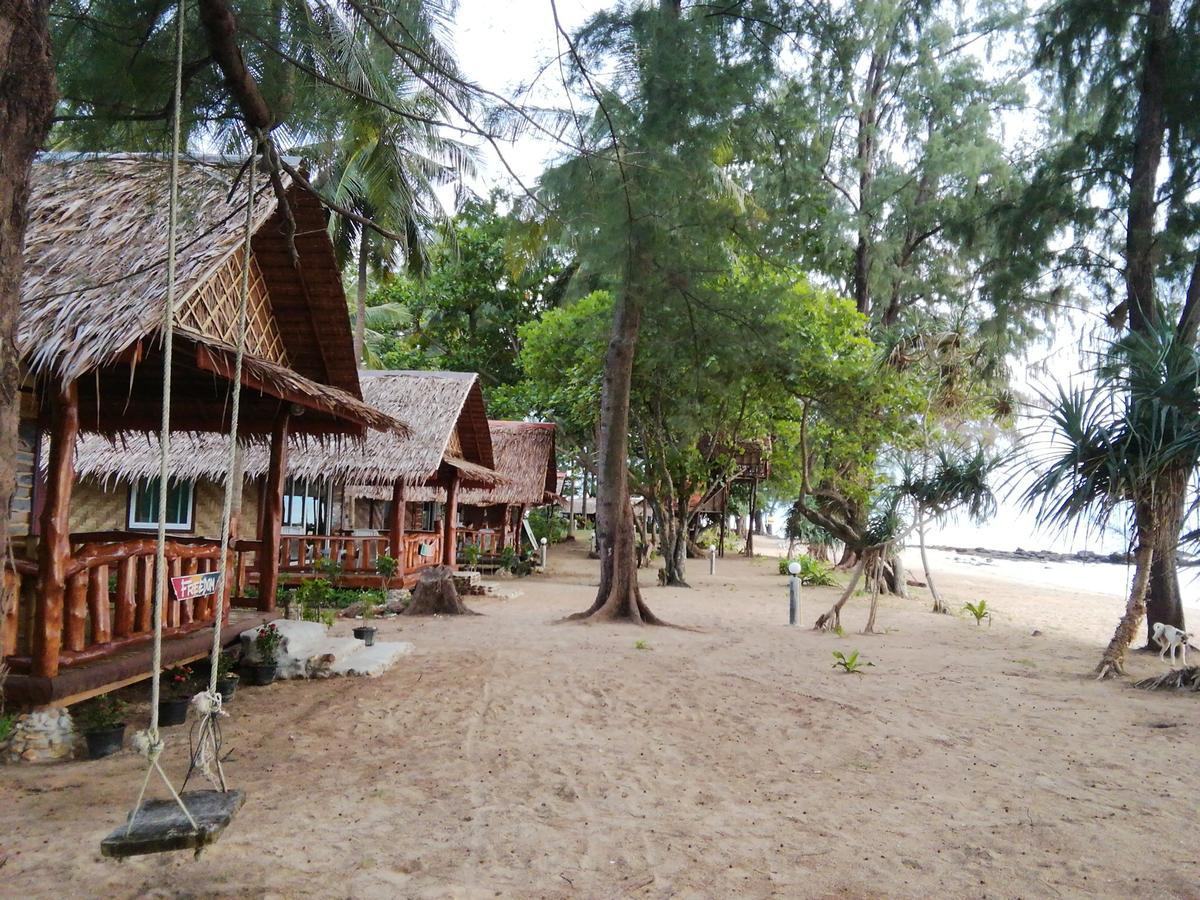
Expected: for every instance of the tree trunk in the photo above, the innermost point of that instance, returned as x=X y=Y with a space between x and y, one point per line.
x=619 y=597
x=1163 y=601
x=869 y=628
x=939 y=605
x=675 y=546
x=1148 y=135
x=1113 y=661
x=360 y=300
x=27 y=95
x=832 y=620
x=436 y=595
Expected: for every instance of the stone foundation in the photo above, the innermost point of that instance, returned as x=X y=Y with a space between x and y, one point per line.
x=45 y=735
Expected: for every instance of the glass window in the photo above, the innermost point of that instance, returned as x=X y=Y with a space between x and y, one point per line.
x=304 y=505
x=143 y=504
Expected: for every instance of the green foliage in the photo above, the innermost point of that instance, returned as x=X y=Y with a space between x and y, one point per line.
x=465 y=314
x=472 y=553
x=813 y=572
x=313 y=593
x=100 y=713
x=226 y=663
x=386 y=567
x=8 y=722
x=329 y=567
x=508 y=559
x=851 y=664
x=710 y=537
x=979 y=611
x=641 y=645
x=547 y=525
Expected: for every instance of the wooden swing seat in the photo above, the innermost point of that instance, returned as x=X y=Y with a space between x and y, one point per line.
x=161 y=826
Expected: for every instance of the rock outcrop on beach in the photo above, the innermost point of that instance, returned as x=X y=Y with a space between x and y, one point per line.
x=1086 y=556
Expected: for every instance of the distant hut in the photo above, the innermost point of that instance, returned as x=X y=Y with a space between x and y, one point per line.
x=93 y=299
x=526 y=460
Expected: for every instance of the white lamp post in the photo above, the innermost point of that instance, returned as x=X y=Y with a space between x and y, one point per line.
x=544 y=546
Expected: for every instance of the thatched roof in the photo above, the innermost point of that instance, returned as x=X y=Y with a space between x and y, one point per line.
x=526 y=459
x=443 y=412
x=95 y=286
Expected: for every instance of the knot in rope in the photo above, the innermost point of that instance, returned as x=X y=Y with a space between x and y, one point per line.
x=149 y=744
x=208 y=703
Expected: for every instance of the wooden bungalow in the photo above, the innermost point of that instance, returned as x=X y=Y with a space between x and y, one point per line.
x=338 y=495
x=78 y=603
x=526 y=460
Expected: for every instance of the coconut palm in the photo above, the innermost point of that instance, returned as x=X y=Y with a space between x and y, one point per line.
x=1117 y=446
x=389 y=158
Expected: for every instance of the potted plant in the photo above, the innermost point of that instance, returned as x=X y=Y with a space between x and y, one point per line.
x=177 y=685
x=103 y=724
x=365 y=632
x=266 y=643
x=227 y=679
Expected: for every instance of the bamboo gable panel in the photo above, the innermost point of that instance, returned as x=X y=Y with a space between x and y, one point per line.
x=213 y=310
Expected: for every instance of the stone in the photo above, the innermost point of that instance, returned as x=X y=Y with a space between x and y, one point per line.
x=309 y=651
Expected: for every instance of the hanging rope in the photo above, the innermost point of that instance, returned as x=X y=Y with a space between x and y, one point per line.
x=150 y=743
x=206 y=755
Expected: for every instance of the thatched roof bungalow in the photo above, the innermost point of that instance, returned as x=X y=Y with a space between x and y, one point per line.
x=339 y=494
x=527 y=461
x=93 y=299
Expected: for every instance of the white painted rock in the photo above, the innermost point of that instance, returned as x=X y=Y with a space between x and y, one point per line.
x=309 y=651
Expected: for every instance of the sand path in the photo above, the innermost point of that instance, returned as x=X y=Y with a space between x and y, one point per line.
x=511 y=756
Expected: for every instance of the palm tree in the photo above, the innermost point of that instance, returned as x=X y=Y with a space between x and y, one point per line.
x=389 y=158
x=1117 y=445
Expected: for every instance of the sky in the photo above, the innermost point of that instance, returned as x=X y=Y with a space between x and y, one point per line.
x=504 y=44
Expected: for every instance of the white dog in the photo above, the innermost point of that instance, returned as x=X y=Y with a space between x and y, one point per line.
x=1168 y=637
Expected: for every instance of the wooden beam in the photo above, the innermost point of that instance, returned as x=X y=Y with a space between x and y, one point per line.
x=54 y=548
x=97 y=599
x=272 y=519
x=396 y=526
x=450 y=518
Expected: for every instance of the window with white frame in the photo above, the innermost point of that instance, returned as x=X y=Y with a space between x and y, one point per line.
x=143 y=504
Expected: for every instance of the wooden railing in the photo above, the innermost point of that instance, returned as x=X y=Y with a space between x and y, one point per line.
x=109 y=597
x=356 y=554
x=487 y=540
x=414 y=543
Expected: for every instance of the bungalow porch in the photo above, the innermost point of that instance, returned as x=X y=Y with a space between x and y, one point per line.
x=77 y=616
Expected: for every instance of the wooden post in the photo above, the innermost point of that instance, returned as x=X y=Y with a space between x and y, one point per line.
x=54 y=549
x=750 y=518
x=396 y=526
x=571 y=510
x=450 y=518
x=724 y=521
x=98 y=605
x=272 y=518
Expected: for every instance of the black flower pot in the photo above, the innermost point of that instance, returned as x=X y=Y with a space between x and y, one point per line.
x=226 y=687
x=260 y=674
x=105 y=741
x=366 y=634
x=173 y=711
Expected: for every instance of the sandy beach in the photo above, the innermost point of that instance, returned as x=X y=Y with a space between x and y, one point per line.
x=512 y=756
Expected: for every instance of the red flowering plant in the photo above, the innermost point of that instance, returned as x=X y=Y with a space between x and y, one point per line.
x=266 y=641
x=178 y=682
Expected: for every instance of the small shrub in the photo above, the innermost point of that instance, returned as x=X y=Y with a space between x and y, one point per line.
x=839 y=630
x=813 y=572
x=852 y=664
x=178 y=681
x=471 y=555
x=329 y=567
x=386 y=567
x=8 y=722
x=640 y=645
x=980 y=611
x=547 y=525
x=508 y=559
x=100 y=713
x=266 y=641
x=226 y=663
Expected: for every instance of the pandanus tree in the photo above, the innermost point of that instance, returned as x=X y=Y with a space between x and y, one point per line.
x=960 y=481
x=1117 y=446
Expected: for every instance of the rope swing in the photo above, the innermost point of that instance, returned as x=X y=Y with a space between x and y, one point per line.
x=194 y=819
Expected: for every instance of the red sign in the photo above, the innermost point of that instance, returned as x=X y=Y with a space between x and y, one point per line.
x=189 y=587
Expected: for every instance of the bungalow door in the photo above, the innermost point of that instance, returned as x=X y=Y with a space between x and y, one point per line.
x=306 y=511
